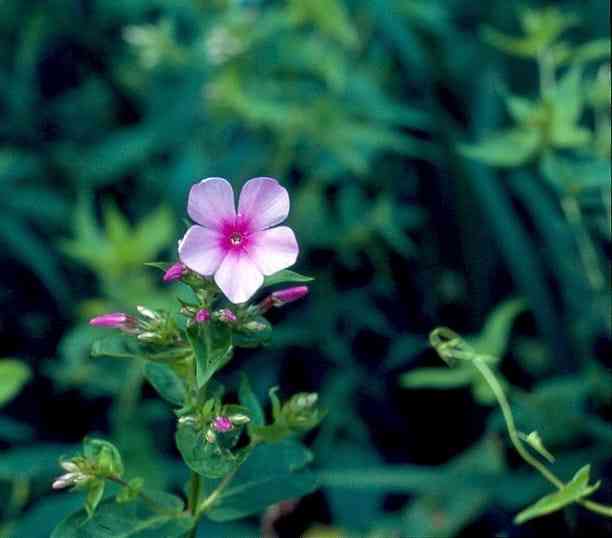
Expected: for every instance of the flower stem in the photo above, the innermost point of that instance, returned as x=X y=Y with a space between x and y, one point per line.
x=194 y=499
x=493 y=383
x=212 y=498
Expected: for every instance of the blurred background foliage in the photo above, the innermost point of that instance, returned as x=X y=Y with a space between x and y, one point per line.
x=448 y=163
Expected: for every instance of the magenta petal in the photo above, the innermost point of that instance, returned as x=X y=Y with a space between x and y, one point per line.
x=263 y=202
x=274 y=249
x=201 y=250
x=211 y=202
x=238 y=277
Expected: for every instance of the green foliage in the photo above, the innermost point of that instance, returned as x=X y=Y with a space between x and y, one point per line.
x=270 y=474
x=212 y=348
x=13 y=375
x=135 y=519
x=166 y=382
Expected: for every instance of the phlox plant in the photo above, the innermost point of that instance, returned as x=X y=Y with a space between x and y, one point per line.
x=240 y=462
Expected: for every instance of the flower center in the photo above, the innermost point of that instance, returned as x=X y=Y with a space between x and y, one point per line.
x=236 y=238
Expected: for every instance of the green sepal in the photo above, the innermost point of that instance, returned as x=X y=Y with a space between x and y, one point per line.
x=254 y=333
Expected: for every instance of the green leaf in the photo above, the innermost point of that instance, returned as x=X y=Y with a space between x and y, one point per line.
x=508 y=148
x=437 y=378
x=207 y=459
x=574 y=490
x=116 y=347
x=166 y=382
x=285 y=277
x=136 y=519
x=493 y=339
x=249 y=400
x=13 y=376
x=271 y=473
x=131 y=491
x=104 y=455
x=212 y=346
x=95 y=491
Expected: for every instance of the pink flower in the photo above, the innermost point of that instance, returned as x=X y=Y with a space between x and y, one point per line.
x=202 y=316
x=238 y=248
x=115 y=320
x=222 y=424
x=174 y=272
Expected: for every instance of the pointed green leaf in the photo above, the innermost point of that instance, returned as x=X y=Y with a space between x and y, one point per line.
x=507 y=148
x=249 y=400
x=115 y=347
x=574 y=490
x=270 y=474
x=166 y=382
x=285 y=277
x=212 y=346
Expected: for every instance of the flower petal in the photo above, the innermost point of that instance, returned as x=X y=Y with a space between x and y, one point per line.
x=238 y=277
x=274 y=249
x=211 y=202
x=201 y=250
x=263 y=202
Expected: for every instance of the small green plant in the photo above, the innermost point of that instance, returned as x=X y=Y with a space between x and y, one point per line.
x=453 y=350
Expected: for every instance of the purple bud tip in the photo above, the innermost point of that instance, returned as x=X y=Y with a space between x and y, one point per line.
x=288 y=295
x=174 y=272
x=222 y=424
x=202 y=316
x=114 y=320
x=227 y=315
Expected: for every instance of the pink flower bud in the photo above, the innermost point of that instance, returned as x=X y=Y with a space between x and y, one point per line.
x=227 y=315
x=115 y=320
x=222 y=424
x=174 y=272
x=202 y=316
x=288 y=295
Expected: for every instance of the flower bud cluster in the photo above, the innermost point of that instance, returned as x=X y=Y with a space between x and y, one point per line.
x=224 y=424
x=73 y=477
x=301 y=412
x=151 y=327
